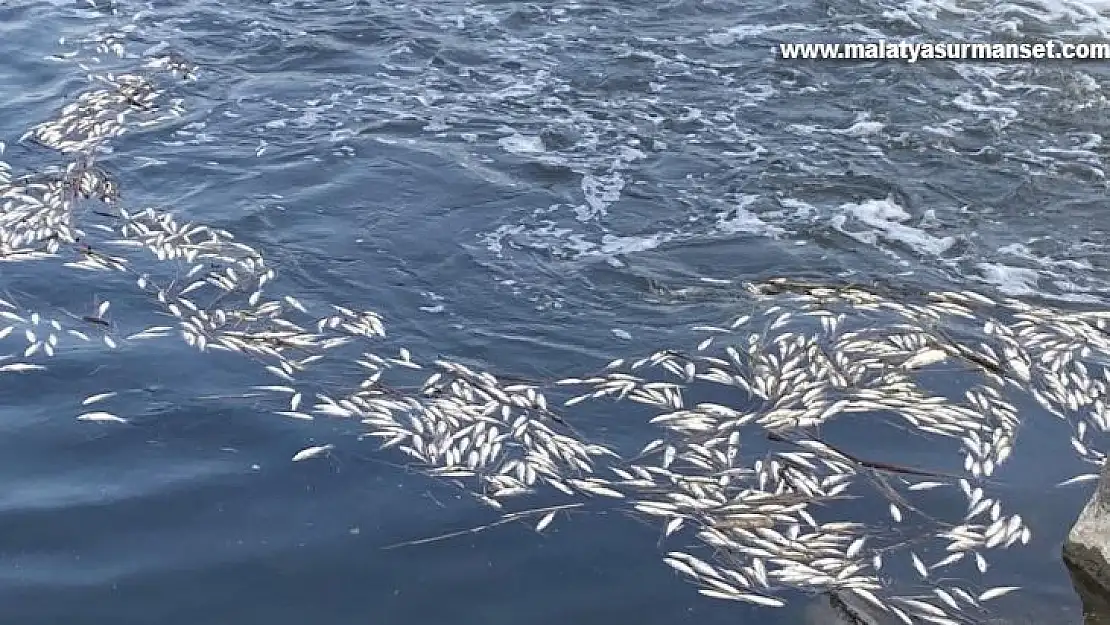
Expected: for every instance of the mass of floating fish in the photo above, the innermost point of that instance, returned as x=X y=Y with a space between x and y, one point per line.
x=745 y=527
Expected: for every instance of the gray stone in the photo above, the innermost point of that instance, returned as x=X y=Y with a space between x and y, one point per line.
x=1088 y=545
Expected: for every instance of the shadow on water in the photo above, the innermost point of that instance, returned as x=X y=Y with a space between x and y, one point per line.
x=1096 y=600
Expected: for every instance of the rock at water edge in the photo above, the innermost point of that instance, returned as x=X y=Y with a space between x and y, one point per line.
x=1088 y=543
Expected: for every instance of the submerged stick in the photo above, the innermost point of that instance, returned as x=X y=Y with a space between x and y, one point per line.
x=515 y=516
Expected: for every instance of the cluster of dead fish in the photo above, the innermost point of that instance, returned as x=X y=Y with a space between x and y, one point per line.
x=739 y=473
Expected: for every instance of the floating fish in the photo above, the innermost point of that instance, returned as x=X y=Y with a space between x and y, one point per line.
x=312 y=452
x=101 y=417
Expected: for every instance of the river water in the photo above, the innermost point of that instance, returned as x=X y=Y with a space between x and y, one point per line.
x=536 y=188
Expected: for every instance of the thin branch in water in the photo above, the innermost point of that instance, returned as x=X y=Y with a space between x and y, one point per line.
x=509 y=518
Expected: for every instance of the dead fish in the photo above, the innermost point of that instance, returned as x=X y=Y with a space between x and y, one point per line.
x=92 y=399
x=312 y=452
x=101 y=417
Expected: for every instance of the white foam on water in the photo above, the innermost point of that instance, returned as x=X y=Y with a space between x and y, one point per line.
x=802 y=209
x=612 y=245
x=1005 y=114
x=1020 y=17
x=863 y=126
x=1015 y=281
x=600 y=191
x=887 y=221
x=755 y=94
x=521 y=89
x=740 y=32
x=742 y=220
x=522 y=144
x=949 y=128
x=307 y=119
x=1062 y=273
x=1022 y=251
x=902 y=16
x=569 y=244
x=477 y=114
